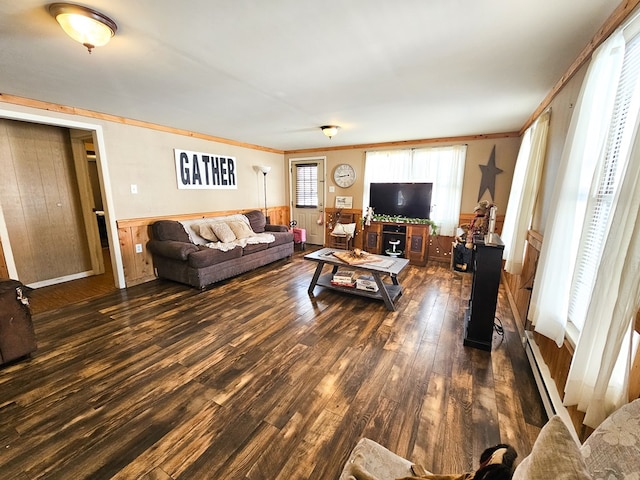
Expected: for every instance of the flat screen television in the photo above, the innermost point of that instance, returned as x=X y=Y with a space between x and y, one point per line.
x=411 y=200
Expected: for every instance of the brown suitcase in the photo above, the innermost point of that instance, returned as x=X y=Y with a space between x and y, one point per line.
x=17 y=337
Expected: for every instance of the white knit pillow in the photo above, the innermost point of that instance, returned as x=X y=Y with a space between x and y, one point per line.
x=223 y=232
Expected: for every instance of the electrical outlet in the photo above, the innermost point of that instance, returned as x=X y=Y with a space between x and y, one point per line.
x=138 y=248
x=134 y=188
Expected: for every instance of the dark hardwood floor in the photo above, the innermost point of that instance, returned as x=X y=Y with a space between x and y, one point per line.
x=254 y=379
x=52 y=297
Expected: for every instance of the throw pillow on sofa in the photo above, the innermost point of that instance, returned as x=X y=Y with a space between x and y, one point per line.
x=204 y=230
x=613 y=449
x=223 y=232
x=555 y=455
x=240 y=229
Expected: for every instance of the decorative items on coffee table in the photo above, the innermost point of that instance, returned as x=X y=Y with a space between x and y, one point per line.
x=355 y=256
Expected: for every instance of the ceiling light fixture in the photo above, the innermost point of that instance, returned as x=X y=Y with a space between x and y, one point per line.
x=330 y=130
x=84 y=25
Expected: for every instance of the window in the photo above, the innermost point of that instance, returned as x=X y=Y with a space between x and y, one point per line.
x=442 y=166
x=587 y=281
x=306 y=185
x=599 y=195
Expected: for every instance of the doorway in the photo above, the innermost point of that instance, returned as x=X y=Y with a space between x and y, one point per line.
x=49 y=230
x=307 y=196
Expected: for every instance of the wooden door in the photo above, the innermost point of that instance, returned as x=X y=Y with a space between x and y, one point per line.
x=307 y=176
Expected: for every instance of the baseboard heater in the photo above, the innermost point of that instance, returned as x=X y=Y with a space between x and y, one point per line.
x=541 y=374
x=546 y=386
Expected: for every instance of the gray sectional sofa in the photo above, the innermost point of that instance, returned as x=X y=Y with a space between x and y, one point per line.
x=207 y=250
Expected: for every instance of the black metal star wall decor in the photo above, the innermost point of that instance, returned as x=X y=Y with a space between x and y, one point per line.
x=489 y=172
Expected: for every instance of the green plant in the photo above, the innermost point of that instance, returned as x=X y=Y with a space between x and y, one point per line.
x=416 y=221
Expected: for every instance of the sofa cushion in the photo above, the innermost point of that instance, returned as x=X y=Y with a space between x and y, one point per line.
x=281 y=238
x=240 y=229
x=275 y=228
x=223 y=232
x=253 y=248
x=256 y=220
x=206 y=257
x=613 y=449
x=169 y=230
x=555 y=455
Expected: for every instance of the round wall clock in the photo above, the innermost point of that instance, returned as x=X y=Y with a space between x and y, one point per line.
x=344 y=175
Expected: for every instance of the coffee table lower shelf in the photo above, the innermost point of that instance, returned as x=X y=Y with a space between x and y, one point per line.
x=393 y=291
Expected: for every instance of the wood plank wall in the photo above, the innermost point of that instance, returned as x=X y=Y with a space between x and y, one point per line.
x=558 y=359
x=138 y=267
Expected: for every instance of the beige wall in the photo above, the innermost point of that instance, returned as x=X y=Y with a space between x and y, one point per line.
x=144 y=157
x=478 y=153
x=562 y=107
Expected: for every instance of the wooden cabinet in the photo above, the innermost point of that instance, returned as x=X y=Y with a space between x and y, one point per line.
x=480 y=315
x=373 y=238
x=414 y=240
x=417 y=243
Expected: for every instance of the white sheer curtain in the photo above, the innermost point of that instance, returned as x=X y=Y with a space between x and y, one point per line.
x=613 y=306
x=442 y=166
x=385 y=166
x=615 y=298
x=524 y=191
x=582 y=152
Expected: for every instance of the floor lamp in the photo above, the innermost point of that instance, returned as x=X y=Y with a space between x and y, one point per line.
x=265 y=169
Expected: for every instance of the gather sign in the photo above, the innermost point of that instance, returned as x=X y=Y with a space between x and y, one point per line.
x=197 y=170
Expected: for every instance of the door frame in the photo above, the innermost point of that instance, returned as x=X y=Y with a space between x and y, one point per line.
x=103 y=172
x=322 y=194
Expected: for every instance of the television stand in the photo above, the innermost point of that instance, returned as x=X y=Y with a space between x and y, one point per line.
x=412 y=238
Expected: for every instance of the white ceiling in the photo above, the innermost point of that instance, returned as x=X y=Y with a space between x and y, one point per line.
x=270 y=72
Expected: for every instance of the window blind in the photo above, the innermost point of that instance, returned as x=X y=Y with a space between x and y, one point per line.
x=306 y=185
x=603 y=194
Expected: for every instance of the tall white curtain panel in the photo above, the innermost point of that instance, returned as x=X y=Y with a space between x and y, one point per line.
x=524 y=192
x=582 y=152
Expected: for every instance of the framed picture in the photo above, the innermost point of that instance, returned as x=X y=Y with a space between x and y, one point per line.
x=344 y=202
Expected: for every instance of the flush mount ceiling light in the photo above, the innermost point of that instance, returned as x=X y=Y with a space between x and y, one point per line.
x=84 y=25
x=329 y=130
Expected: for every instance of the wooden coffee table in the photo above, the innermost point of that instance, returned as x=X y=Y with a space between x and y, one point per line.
x=379 y=267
